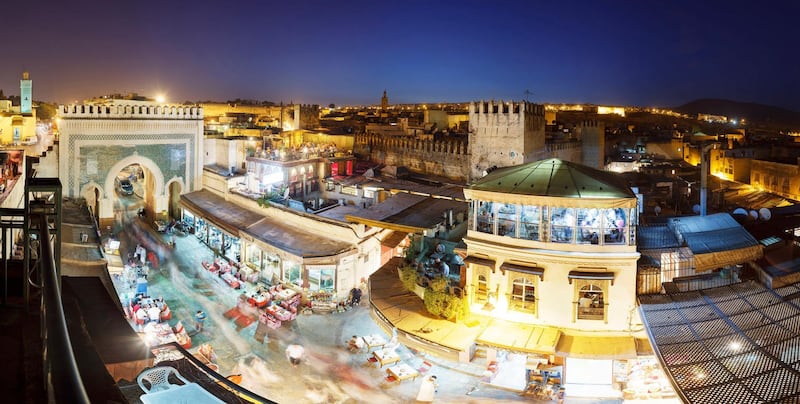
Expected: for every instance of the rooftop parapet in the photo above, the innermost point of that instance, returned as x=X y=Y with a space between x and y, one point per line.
x=502 y=107
x=73 y=111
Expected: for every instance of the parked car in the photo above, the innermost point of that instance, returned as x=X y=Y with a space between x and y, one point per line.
x=124 y=187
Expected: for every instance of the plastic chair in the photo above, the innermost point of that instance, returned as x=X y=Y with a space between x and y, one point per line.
x=158 y=378
x=426 y=366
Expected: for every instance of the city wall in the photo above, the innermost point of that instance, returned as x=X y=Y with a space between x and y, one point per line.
x=130 y=111
x=441 y=158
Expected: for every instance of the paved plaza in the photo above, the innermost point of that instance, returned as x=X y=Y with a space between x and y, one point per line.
x=329 y=373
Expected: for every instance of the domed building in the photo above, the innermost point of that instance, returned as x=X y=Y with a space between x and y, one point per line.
x=552 y=245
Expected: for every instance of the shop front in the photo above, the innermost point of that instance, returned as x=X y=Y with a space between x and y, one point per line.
x=321 y=277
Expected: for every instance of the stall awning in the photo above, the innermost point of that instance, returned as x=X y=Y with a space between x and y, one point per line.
x=593 y=347
x=591 y=275
x=471 y=259
x=521 y=337
x=524 y=268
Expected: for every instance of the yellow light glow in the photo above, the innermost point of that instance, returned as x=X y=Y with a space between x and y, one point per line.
x=161 y=99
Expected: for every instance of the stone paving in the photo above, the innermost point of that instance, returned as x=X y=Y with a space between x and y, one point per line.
x=329 y=374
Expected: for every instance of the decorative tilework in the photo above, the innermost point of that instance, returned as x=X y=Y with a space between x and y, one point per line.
x=153 y=147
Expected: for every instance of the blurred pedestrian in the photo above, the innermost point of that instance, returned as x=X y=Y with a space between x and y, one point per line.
x=295 y=353
x=427 y=390
x=199 y=320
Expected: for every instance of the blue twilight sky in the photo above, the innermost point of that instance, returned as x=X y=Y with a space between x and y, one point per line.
x=647 y=53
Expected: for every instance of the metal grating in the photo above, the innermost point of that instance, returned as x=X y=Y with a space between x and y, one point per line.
x=780 y=311
x=792 y=324
x=689 y=352
x=768 y=334
x=750 y=319
x=735 y=393
x=712 y=328
x=787 y=351
x=728 y=345
x=763 y=299
x=747 y=288
x=664 y=317
x=774 y=385
x=734 y=306
x=701 y=374
x=733 y=344
x=786 y=290
x=699 y=313
x=750 y=364
x=688 y=299
x=720 y=294
x=655 y=302
x=673 y=334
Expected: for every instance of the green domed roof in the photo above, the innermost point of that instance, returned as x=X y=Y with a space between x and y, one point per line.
x=554 y=178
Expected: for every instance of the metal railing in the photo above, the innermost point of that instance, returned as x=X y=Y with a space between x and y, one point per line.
x=63 y=381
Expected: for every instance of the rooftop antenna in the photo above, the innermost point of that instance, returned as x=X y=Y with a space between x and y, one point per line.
x=527 y=93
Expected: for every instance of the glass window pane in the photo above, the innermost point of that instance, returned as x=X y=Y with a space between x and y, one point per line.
x=507 y=220
x=562 y=223
x=485 y=218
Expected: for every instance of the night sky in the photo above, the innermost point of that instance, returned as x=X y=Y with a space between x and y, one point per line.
x=646 y=53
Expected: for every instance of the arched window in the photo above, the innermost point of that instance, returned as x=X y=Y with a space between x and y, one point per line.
x=482 y=288
x=591 y=302
x=523 y=296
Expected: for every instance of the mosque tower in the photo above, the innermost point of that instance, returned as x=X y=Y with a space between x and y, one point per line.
x=25 y=96
x=384 y=101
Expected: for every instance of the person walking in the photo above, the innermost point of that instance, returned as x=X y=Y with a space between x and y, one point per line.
x=294 y=353
x=427 y=390
x=199 y=320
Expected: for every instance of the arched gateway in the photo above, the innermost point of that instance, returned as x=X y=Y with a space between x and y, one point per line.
x=97 y=142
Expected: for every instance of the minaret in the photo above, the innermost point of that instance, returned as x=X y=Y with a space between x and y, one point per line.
x=25 y=96
x=384 y=101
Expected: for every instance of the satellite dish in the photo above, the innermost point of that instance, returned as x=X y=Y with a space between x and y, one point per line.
x=696 y=209
x=765 y=214
x=754 y=214
x=740 y=211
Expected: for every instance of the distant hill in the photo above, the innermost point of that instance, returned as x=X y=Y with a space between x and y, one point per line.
x=756 y=114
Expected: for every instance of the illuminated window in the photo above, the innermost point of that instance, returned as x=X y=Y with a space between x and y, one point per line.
x=523 y=296
x=591 y=301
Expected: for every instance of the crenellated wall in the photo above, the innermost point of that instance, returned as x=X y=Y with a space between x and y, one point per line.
x=442 y=158
x=130 y=111
x=503 y=134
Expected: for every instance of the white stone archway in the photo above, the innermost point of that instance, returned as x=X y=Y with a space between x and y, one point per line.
x=158 y=198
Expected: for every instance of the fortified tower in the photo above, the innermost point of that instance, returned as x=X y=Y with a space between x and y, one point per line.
x=25 y=93
x=503 y=134
x=593 y=142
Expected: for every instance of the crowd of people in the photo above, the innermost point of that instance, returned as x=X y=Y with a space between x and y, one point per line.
x=302 y=151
